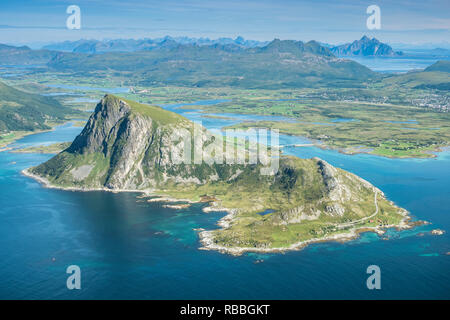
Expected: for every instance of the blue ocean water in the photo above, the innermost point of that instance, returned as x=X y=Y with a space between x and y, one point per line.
x=131 y=249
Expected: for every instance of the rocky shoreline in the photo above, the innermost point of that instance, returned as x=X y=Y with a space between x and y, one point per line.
x=206 y=236
x=155 y=197
x=46 y=184
x=144 y=193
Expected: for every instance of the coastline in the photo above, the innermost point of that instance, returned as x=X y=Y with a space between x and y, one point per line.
x=426 y=154
x=429 y=154
x=22 y=134
x=158 y=197
x=206 y=236
x=46 y=184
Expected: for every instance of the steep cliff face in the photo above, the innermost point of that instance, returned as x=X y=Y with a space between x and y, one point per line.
x=128 y=146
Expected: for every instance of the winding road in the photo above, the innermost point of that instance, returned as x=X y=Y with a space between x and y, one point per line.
x=349 y=224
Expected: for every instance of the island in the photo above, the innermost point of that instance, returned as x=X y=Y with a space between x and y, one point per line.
x=53 y=148
x=128 y=146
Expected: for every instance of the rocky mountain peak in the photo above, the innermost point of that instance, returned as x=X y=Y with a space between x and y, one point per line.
x=365 y=47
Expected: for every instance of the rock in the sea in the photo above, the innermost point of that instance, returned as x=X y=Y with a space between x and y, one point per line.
x=437 y=232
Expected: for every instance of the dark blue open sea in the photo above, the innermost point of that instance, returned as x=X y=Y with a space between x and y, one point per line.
x=135 y=250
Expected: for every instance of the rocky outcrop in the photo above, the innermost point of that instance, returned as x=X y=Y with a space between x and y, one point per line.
x=99 y=126
x=437 y=232
x=298 y=214
x=335 y=188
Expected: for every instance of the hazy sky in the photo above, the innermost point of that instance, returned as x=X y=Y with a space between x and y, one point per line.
x=332 y=21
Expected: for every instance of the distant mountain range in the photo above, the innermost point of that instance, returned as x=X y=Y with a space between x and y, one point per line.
x=10 y=55
x=278 y=64
x=131 y=45
x=365 y=47
x=245 y=64
x=281 y=63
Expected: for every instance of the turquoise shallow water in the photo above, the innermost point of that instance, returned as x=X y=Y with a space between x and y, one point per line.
x=136 y=250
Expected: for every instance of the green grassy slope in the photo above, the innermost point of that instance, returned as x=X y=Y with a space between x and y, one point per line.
x=22 y=111
x=420 y=80
x=436 y=76
x=442 y=65
x=156 y=113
